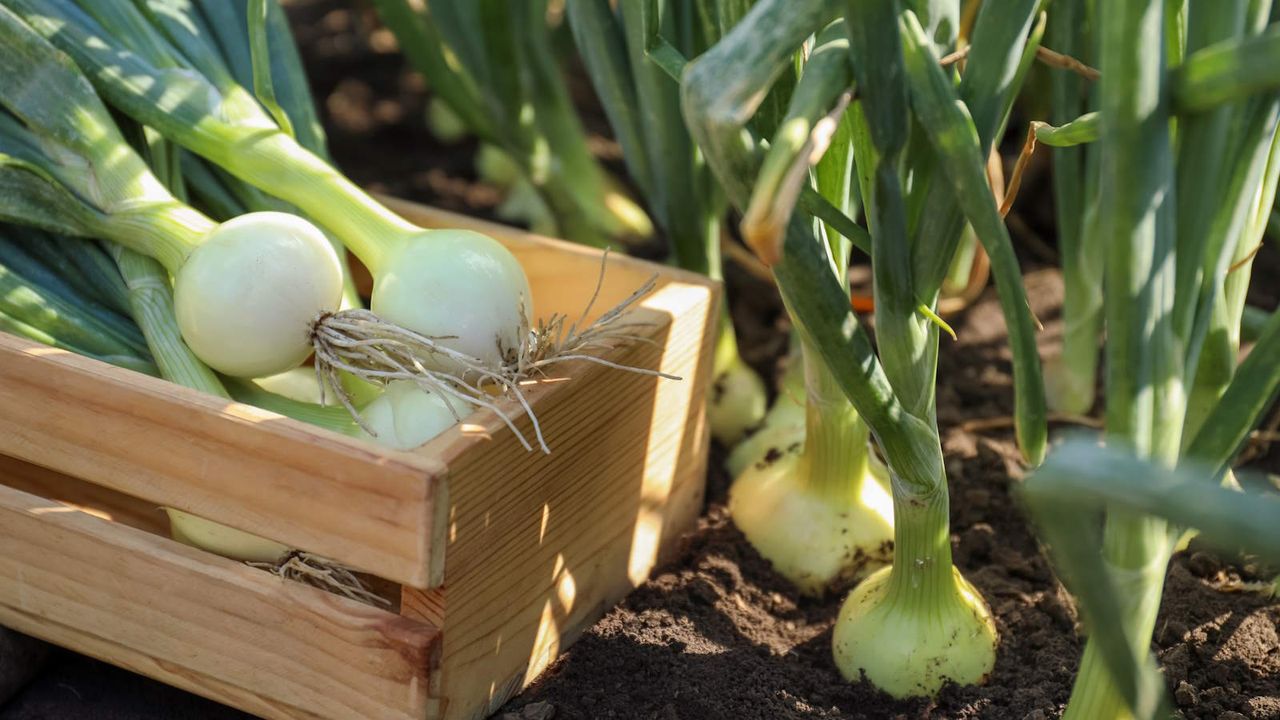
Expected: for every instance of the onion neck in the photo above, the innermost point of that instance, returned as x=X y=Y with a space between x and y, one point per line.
x=922 y=575
x=166 y=231
x=276 y=163
x=835 y=460
x=726 y=354
x=151 y=300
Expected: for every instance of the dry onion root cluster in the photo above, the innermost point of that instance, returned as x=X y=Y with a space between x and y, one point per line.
x=360 y=343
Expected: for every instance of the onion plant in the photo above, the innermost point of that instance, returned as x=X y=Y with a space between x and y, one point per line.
x=460 y=287
x=494 y=66
x=643 y=107
x=919 y=142
x=1188 y=159
x=826 y=480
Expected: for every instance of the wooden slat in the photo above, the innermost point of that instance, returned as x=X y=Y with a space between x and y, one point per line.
x=348 y=500
x=540 y=546
x=203 y=623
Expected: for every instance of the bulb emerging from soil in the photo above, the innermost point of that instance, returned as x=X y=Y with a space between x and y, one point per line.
x=908 y=638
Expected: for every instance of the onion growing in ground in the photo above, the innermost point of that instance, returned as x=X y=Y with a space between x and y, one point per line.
x=817 y=504
x=911 y=627
x=909 y=641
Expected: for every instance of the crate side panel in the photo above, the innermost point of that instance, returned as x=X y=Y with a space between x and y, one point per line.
x=226 y=631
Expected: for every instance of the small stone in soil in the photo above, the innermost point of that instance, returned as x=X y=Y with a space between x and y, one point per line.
x=1186 y=694
x=538 y=711
x=1232 y=715
x=977 y=497
x=1036 y=714
x=1203 y=564
x=1172 y=632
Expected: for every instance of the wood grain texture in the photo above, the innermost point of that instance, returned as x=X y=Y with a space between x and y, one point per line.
x=209 y=625
x=345 y=499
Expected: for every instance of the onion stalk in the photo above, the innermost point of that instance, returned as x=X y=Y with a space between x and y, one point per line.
x=247 y=291
x=1180 y=214
x=467 y=51
x=643 y=108
x=827 y=482
x=1071 y=377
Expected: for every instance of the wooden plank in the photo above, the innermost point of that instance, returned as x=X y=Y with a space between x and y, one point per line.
x=364 y=506
x=540 y=546
x=126 y=510
x=203 y=623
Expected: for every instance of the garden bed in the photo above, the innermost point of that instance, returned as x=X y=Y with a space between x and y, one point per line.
x=718 y=635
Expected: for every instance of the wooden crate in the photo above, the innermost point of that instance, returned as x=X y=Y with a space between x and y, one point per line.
x=494 y=558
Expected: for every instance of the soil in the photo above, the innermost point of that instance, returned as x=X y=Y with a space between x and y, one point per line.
x=716 y=634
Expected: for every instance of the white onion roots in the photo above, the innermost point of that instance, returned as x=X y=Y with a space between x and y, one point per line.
x=362 y=344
